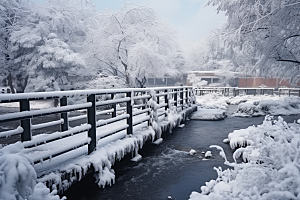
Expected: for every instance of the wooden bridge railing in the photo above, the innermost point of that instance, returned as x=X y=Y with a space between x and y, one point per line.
x=131 y=97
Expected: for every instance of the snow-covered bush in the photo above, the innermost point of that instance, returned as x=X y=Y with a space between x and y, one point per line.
x=284 y=106
x=270 y=169
x=213 y=101
x=196 y=80
x=18 y=177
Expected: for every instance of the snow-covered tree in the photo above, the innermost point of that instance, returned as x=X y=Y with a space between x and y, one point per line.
x=132 y=44
x=12 y=15
x=272 y=28
x=48 y=48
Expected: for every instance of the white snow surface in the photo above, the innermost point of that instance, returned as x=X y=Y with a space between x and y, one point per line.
x=270 y=170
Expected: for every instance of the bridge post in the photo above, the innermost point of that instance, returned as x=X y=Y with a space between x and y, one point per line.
x=175 y=97
x=114 y=106
x=157 y=98
x=64 y=116
x=181 y=97
x=91 y=119
x=148 y=106
x=25 y=123
x=129 y=112
x=289 y=92
x=186 y=96
x=166 y=100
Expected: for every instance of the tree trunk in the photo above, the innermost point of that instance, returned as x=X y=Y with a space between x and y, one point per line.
x=9 y=80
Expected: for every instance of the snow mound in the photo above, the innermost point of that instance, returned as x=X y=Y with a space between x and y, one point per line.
x=270 y=169
x=209 y=114
x=277 y=106
x=18 y=177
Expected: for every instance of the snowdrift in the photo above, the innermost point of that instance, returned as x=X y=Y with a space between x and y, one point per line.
x=271 y=167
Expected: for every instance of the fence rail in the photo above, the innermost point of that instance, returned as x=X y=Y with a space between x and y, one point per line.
x=130 y=98
x=234 y=90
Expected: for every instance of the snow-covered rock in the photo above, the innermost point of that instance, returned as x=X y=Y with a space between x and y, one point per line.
x=192 y=152
x=208 y=154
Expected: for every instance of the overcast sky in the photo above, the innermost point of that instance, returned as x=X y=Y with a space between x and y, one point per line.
x=192 y=19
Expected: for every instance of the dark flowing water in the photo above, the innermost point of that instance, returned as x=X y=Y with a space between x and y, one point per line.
x=168 y=169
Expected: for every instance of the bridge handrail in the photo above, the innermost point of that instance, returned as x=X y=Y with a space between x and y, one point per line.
x=7 y=98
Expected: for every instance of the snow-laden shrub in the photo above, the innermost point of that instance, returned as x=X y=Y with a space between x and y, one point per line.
x=285 y=106
x=212 y=101
x=271 y=167
x=18 y=177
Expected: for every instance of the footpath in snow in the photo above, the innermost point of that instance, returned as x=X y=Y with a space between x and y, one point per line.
x=269 y=167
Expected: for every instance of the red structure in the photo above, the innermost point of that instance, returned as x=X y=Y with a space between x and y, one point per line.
x=268 y=82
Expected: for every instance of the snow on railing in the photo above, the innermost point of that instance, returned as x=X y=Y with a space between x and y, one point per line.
x=142 y=107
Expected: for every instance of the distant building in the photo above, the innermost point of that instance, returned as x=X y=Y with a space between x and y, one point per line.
x=211 y=77
x=166 y=81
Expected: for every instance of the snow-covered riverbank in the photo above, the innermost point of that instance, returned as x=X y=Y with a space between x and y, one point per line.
x=270 y=152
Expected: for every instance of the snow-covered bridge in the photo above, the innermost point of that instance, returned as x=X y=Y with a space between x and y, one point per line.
x=61 y=157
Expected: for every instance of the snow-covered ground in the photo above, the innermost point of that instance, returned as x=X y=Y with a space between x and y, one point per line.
x=270 y=152
x=270 y=167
